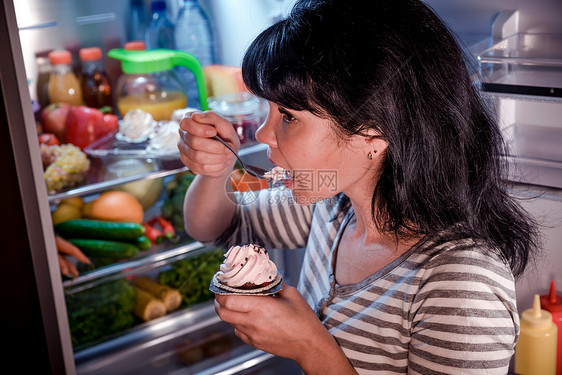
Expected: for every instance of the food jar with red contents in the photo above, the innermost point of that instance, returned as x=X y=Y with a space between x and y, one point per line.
x=243 y=110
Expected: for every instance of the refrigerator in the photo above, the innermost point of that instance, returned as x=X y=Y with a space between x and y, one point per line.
x=35 y=308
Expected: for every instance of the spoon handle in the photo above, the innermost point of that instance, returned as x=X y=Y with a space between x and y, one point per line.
x=230 y=148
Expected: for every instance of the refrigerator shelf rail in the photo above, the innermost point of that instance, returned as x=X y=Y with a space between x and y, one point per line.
x=132 y=267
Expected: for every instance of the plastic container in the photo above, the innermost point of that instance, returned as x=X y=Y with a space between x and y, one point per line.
x=160 y=30
x=553 y=304
x=43 y=73
x=535 y=353
x=149 y=81
x=243 y=110
x=194 y=34
x=96 y=88
x=64 y=86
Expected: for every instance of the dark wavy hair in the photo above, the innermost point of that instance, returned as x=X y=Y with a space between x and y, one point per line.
x=393 y=66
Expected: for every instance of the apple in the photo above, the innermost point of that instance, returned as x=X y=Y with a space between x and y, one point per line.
x=53 y=119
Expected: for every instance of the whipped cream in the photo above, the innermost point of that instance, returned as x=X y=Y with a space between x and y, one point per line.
x=136 y=126
x=246 y=264
x=165 y=137
x=277 y=174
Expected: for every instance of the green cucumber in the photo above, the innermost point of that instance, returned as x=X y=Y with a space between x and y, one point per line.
x=106 y=230
x=142 y=242
x=105 y=248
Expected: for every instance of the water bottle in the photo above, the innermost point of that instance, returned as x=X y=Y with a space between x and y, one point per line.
x=160 y=31
x=136 y=27
x=194 y=35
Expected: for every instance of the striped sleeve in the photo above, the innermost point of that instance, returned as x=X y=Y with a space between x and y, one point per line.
x=269 y=218
x=464 y=317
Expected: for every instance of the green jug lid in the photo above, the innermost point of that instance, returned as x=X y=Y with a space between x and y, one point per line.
x=161 y=60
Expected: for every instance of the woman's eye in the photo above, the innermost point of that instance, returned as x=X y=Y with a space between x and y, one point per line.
x=286 y=116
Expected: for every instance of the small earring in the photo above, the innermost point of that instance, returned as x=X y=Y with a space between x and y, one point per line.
x=370 y=154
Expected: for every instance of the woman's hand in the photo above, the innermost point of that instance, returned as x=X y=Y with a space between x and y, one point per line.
x=202 y=154
x=286 y=326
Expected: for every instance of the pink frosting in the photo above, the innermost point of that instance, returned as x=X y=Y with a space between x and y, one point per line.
x=246 y=264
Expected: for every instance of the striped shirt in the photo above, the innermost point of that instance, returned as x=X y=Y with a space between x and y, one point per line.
x=443 y=307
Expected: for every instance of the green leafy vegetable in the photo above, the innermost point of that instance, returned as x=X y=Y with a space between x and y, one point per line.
x=192 y=276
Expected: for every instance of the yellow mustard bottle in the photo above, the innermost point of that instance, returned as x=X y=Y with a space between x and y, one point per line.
x=535 y=352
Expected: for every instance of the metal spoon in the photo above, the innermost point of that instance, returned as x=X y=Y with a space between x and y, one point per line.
x=251 y=169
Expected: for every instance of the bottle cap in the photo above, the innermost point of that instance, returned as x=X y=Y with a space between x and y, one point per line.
x=551 y=302
x=535 y=317
x=60 y=57
x=43 y=54
x=135 y=45
x=158 y=6
x=90 y=54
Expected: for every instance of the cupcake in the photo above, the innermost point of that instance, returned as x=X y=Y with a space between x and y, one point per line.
x=247 y=269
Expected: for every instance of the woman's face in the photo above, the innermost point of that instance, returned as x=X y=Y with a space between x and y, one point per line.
x=322 y=163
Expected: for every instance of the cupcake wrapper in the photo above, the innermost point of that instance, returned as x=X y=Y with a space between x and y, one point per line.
x=218 y=288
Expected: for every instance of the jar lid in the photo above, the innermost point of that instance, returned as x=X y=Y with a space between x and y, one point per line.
x=239 y=103
x=135 y=45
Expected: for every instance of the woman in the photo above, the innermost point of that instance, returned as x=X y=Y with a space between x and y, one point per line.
x=412 y=242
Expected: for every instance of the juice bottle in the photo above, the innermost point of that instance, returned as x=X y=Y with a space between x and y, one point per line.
x=553 y=304
x=64 y=86
x=96 y=88
x=43 y=74
x=535 y=352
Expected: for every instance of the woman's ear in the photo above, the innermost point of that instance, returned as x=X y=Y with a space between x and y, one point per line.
x=373 y=143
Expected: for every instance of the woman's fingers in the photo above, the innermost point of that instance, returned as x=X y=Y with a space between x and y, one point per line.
x=198 y=151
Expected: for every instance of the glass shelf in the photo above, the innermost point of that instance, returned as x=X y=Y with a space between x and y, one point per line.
x=524 y=64
x=95 y=181
x=157 y=256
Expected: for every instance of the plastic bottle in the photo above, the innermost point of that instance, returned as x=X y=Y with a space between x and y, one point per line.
x=160 y=31
x=43 y=73
x=194 y=35
x=553 y=304
x=535 y=352
x=96 y=88
x=137 y=20
x=64 y=86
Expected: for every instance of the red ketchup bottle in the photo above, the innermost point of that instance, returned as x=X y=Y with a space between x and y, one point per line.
x=553 y=304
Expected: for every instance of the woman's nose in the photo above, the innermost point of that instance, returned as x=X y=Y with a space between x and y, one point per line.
x=266 y=132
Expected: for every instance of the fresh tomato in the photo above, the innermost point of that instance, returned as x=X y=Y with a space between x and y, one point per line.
x=242 y=181
x=48 y=139
x=85 y=125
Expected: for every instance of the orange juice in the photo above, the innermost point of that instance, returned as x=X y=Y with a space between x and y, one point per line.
x=160 y=104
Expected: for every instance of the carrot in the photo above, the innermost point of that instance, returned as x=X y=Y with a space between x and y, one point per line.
x=65 y=247
x=153 y=234
x=66 y=267
x=167 y=227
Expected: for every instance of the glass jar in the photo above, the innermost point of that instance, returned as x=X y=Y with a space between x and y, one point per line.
x=243 y=110
x=156 y=93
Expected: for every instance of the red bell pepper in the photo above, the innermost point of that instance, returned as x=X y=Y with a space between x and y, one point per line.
x=153 y=234
x=167 y=227
x=85 y=125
